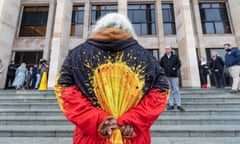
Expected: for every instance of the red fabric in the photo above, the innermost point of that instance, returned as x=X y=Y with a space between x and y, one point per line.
x=143 y=115
x=87 y=118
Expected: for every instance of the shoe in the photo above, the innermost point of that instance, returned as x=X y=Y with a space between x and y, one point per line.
x=170 y=107
x=181 y=109
x=233 y=91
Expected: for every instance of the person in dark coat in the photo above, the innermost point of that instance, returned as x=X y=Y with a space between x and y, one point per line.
x=34 y=76
x=171 y=64
x=217 y=68
x=232 y=63
x=204 y=71
x=111 y=69
x=10 y=75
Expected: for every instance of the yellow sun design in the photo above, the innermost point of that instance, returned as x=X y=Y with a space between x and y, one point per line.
x=117 y=89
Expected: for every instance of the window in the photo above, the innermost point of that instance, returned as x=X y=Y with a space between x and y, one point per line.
x=34 y=21
x=100 y=10
x=214 y=18
x=77 y=21
x=154 y=52
x=168 y=19
x=143 y=18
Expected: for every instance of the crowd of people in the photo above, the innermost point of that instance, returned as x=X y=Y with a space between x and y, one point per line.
x=25 y=77
x=217 y=68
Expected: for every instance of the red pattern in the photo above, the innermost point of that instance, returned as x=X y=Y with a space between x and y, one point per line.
x=88 y=118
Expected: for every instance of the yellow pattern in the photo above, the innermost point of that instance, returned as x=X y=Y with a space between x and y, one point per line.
x=57 y=89
x=117 y=89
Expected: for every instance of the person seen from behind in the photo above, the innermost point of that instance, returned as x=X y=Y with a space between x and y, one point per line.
x=171 y=65
x=110 y=87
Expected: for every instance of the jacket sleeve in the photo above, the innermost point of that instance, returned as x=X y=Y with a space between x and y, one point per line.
x=237 y=56
x=80 y=112
x=146 y=112
x=75 y=106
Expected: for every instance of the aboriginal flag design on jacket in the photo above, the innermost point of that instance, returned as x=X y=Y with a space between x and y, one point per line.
x=111 y=75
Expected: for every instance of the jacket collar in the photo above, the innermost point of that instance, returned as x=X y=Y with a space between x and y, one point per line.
x=111 y=39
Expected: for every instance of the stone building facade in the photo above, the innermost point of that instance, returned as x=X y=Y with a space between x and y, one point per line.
x=34 y=29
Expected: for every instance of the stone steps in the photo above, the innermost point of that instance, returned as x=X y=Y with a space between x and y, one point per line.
x=57 y=112
x=163 y=120
x=156 y=130
x=155 y=140
x=52 y=99
x=187 y=105
x=211 y=115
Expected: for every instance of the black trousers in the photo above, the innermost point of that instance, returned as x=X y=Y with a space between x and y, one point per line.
x=219 y=79
x=9 y=82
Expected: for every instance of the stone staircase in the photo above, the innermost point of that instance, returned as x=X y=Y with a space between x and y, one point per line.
x=212 y=117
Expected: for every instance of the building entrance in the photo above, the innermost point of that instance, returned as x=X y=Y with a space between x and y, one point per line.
x=28 y=57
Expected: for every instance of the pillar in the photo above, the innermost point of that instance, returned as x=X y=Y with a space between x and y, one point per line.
x=123 y=7
x=9 y=12
x=233 y=12
x=160 y=28
x=200 y=43
x=186 y=44
x=61 y=39
x=48 y=38
x=86 y=22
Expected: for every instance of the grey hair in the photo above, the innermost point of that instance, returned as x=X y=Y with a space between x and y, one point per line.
x=114 y=20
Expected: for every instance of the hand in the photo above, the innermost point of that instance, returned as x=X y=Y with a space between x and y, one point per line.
x=107 y=126
x=127 y=130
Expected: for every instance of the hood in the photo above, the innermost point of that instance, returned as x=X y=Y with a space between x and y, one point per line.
x=111 y=39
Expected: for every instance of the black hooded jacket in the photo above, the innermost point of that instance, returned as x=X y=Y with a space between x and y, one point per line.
x=81 y=62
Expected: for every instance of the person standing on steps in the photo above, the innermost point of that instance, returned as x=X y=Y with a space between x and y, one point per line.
x=171 y=64
x=110 y=87
x=217 y=68
x=204 y=71
x=232 y=62
x=10 y=75
x=19 y=79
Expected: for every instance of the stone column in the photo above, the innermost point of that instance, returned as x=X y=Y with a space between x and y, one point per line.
x=233 y=13
x=47 y=44
x=186 y=44
x=60 y=40
x=122 y=7
x=200 y=44
x=159 y=27
x=9 y=12
x=86 y=22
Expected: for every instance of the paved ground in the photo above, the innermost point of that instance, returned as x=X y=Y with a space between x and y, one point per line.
x=172 y=140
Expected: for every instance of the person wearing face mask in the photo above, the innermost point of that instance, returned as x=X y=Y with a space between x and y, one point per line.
x=232 y=62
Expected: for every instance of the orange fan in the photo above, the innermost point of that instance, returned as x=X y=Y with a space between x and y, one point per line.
x=117 y=89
